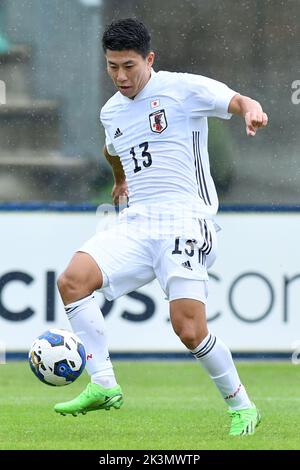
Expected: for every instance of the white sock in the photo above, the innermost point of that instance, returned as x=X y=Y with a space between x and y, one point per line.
x=215 y=356
x=88 y=323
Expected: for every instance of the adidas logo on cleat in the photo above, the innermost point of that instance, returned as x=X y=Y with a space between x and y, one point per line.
x=187 y=265
x=118 y=133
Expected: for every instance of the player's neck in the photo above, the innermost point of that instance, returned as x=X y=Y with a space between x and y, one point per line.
x=143 y=86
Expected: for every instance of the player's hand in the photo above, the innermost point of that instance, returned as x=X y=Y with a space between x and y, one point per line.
x=254 y=120
x=120 y=193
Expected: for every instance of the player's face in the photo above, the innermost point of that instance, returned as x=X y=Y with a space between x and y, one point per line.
x=129 y=70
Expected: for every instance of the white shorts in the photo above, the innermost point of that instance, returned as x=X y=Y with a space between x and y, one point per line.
x=129 y=261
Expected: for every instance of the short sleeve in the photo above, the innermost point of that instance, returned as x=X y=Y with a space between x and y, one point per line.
x=207 y=97
x=109 y=145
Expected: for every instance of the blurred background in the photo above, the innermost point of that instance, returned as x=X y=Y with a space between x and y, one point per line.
x=52 y=63
x=53 y=174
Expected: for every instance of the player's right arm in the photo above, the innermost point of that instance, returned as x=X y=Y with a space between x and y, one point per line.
x=120 y=186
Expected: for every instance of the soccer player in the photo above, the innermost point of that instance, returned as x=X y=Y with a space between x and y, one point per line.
x=156 y=142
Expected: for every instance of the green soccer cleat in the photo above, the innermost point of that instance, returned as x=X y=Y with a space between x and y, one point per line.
x=94 y=397
x=244 y=422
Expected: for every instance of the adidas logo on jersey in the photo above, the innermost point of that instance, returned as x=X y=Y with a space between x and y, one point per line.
x=187 y=265
x=118 y=133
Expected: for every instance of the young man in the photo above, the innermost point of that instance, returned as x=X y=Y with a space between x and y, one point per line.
x=156 y=142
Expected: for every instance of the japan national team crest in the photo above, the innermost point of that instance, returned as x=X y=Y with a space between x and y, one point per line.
x=158 y=121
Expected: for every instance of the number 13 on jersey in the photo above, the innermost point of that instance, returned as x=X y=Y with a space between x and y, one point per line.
x=144 y=154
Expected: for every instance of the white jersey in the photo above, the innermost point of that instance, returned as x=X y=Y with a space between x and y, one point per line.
x=161 y=138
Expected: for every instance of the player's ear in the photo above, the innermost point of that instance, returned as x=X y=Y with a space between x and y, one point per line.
x=150 y=58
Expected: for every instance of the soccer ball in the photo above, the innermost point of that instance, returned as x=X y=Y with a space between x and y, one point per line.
x=57 y=357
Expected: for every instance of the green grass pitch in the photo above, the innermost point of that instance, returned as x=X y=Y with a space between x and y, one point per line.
x=168 y=406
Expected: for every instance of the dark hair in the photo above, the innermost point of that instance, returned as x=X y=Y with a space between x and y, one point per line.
x=127 y=34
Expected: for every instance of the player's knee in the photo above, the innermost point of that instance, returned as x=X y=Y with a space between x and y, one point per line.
x=189 y=337
x=191 y=341
x=67 y=284
x=189 y=321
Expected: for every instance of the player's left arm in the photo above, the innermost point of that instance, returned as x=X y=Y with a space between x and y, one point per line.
x=250 y=110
